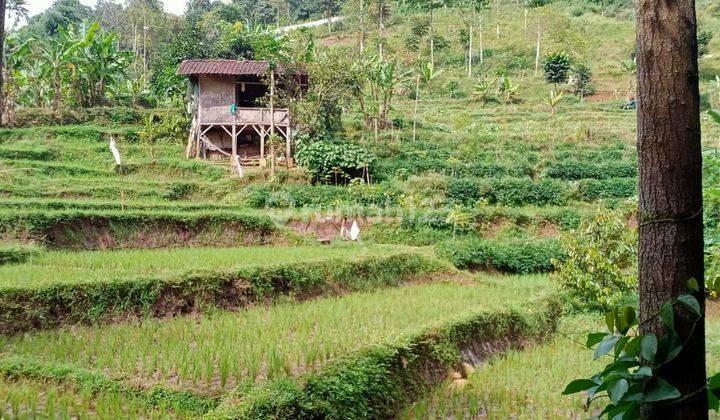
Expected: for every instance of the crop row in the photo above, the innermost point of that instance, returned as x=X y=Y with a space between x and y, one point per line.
x=465 y=191
x=48 y=304
x=515 y=256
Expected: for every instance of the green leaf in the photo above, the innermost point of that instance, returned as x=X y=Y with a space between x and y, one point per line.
x=713 y=402
x=632 y=348
x=610 y=319
x=617 y=389
x=578 y=385
x=690 y=302
x=667 y=315
x=693 y=285
x=669 y=346
x=605 y=346
x=620 y=346
x=644 y=371
x=626 y=319
x=648 y=347
x=594 y=338
x=659 y=389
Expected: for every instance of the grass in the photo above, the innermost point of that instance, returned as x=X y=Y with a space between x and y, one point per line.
x=508 y=386
x=222 y=350
x=65 y=267
x=27 y=398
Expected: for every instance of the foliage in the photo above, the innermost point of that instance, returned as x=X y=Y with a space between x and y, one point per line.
x=593 y=189
x=599 y=269
x=482 y=90
x=553 y=100
x=631 y=379
x=80 y=65
x=332 y=161
x=580 y=80
x=703 y=42
x=572 y=169
x=516 y=256
x=507 y=90
x=557 y=66
x=14 y=254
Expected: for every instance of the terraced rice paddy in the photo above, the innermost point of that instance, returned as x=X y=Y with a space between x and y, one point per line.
x=220 y=351
x=65 y=267
x=26 y=398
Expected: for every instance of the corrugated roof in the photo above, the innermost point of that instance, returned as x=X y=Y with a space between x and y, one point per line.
x=223 y=66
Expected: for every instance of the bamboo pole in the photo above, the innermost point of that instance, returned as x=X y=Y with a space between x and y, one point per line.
x=470 y=52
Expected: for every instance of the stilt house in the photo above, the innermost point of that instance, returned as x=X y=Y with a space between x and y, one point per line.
x=233 y=115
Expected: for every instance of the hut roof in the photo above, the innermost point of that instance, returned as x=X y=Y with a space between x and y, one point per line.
x=226 y=67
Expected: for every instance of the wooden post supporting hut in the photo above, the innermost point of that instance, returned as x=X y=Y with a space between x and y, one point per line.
x=229 y=120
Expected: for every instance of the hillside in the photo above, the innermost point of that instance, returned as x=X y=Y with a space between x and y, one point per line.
x=169 y=286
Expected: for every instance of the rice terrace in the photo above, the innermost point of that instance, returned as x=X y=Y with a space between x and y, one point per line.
x=350 y=209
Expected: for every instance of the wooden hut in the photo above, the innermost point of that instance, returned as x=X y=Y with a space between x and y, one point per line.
x=227 y=100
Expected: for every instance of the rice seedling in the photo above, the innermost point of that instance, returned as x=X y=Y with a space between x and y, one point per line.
x=65 y=267
x=508 y=386
x=222 y=350
x=26 y=398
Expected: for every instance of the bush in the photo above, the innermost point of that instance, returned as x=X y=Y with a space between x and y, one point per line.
x=517 y=192
x=17 y=254
x=329 y=161
x=465 y=191
x=599 y=271
x=591 y=189
x=576 y=170
x=518 y=256
x=557 y=67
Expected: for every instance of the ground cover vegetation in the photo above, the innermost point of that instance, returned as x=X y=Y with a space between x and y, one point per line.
x=492 y=134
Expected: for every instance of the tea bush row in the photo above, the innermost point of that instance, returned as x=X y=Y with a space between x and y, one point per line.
x=520 y=256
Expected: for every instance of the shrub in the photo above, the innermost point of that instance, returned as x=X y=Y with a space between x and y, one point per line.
x=600 y=267
x=17 y=254
x=329 y=161
x=580 y=80
x=592 y=189
x=517 y=192
x=465 y=191
x=557 y=67
x=518 y=256
x=576 y=170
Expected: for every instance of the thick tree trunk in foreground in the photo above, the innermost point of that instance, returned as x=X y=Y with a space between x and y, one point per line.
x=670 y=197
x=2 y=57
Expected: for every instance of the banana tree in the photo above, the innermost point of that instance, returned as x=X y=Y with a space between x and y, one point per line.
x=55 y=53
x=101 y=63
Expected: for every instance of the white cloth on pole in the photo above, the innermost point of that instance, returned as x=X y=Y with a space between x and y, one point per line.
x=354 y=231
x=115 y=151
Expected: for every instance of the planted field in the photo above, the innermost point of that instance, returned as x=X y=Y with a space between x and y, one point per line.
x=64 y=267
x=97 y=286
x=223 y=350
x=507 y=386
x=26 y=398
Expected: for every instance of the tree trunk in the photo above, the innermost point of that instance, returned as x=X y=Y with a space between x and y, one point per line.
x=670 y=196
x=2 y=56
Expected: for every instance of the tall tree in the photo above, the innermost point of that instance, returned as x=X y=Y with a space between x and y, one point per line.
x=670 y=198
